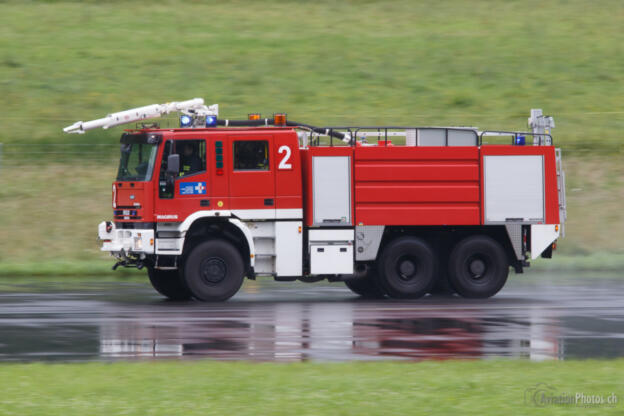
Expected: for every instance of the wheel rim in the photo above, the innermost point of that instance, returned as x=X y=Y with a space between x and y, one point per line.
x=213 y=270
x=407 y=268
x=478 y=267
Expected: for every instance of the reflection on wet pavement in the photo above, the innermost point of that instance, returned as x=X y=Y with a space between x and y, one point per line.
x=269 y=321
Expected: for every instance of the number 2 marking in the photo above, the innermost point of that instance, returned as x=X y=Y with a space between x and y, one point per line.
x=284 y=163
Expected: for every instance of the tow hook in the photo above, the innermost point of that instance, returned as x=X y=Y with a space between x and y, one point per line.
x=124 y=263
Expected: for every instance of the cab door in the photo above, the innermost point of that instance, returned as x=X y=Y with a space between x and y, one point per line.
x=191 y=190
x=252 y=176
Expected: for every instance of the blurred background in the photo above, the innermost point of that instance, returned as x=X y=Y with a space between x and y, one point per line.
x=469 y=63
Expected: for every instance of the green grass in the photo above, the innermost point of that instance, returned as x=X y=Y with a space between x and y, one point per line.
x=91 y=268
x=401 y=62
x=207 y=388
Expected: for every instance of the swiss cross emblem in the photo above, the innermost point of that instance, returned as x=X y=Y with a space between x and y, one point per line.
x=192 y=188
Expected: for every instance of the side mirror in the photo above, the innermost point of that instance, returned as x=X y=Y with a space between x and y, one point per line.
x=173 y=165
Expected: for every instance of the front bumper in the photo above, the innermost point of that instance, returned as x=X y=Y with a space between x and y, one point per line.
x=123 y=241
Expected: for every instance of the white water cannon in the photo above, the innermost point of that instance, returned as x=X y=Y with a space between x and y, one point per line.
x=193 y=108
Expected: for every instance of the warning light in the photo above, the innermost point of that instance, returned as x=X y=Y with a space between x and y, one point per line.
x=211 y=121
x=279 y=119
x=254 y=116
x=219 y=172
x=519 y=141
x=185 y=121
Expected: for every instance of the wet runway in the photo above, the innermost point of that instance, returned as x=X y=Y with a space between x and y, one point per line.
x=535 y=317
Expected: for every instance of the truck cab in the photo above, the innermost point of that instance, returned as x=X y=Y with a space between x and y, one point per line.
x=243 y=185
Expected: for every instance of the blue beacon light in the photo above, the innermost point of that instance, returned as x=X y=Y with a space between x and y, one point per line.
x=211 y=121
x=185 y=121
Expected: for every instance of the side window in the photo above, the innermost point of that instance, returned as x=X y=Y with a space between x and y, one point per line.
x=251 y=155
x=192 y=156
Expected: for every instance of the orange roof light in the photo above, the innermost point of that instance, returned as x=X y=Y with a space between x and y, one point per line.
x=254 y=116
x=279 y=119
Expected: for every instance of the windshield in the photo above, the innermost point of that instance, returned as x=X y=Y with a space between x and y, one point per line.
x=137 y=161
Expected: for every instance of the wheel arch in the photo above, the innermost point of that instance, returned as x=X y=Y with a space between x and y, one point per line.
x=229 y=229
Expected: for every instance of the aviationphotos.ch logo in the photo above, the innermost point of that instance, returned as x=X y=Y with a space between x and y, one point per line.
x=192 y=188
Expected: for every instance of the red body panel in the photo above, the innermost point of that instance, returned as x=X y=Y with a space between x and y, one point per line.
x=398 y=185
x=288 y=183
x=133 y=196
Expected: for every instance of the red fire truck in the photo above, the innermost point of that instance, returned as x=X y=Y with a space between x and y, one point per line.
x=390 y=210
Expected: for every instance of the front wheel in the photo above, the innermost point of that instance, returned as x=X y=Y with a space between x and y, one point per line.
x=214 y=271
x=407 y=268
x=168 y=283
x=478 y=267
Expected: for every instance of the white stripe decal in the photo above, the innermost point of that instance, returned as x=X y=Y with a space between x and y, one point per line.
x=244 y=214
x=268 y=214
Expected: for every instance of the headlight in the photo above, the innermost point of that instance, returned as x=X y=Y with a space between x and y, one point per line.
x=138 y=243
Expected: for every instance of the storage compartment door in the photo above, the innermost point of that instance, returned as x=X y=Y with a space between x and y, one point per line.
x=288 y=248
x=514 y=188
x=331 y=190
x=331 y=259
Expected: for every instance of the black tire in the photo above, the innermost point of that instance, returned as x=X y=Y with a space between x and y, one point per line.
x=168 y=283
x=214 y=271
x=365 y=285
x=407 y=268
x=478 y=267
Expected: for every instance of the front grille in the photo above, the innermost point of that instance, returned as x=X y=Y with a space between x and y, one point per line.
x=134 y=225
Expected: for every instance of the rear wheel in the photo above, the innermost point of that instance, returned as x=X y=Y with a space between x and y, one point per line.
x=168 y=283
x=214 y=271
x=406 y=268
x=365 y=284
x=478 y=267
